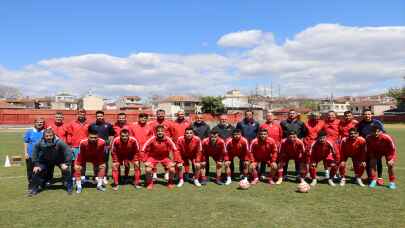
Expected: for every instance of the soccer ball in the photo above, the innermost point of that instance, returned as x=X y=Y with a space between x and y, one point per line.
x=303 y=187
x=244 y=184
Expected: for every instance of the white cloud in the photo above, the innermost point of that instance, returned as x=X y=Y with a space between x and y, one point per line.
x=317 y=61
x=245 y=39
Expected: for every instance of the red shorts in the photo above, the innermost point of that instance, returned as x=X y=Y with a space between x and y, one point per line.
x=355 y=157
x=216 y=157
x=243 y=157
x=388 y=157
x=317 y=158
x=95 y=160
x=286 y=157
x=166 y=162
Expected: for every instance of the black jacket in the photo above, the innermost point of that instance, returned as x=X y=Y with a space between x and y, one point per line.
x=295 y=125
x=56 y=152
x=249 y=129
x=225 y=131
x=201 y=129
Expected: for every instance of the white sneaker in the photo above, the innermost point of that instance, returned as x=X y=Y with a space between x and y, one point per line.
x=360 y=182
x=154 y=176
x=228 y=181
x=331 y=183
x=327 y=174
x=279 y=180
x=167 y=176
x=314 y=182
x=180 y=184
x=197 y=183
x=262 y=177
x=342 y=181
x=105 y=181
x=79 y=189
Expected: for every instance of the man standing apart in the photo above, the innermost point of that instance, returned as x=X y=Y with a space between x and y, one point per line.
x=48 y=152
x=31 y=137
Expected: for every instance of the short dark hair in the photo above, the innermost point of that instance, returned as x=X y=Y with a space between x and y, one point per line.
x=236 y=131
x=291 y=133
x=347 y=112
x=263 y=130
x=321 y=134
x=142 y=114
x=92 y=130
x=160 y=110
x=353 y=129
x=49 y=130
x=124 y=130
x=249 y=110
x=214 y=132
x=122 y=114
x=100 y=112
x=59 y=113
x=291 y=110
x=366 y=110
x=374 y=127
x=160 y=126
x=189 y=129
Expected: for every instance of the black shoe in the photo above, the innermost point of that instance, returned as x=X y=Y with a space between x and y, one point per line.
x=32 y=192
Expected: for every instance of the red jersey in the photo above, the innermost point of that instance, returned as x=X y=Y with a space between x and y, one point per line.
x=141 y=132
x=238 y=148
x=91 y=152
x=274 y=131
x=353 y=148
x=167 y=124
x=322 y=151
x=61 y=130
x=128 y=151
x=77 y=132
x=345 y=126
x=292 y=149
x=118 y=127
x=331 y=129
x=382 y=145
x=217 y=151
x=313 y=127
x=263 y=150
x=179 y=127
x=160 y=149
x=190 y=148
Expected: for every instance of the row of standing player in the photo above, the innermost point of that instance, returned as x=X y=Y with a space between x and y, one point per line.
x=75 y=132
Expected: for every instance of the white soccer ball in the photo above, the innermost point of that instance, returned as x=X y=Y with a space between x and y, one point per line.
x=244 y=184
x=303 y=187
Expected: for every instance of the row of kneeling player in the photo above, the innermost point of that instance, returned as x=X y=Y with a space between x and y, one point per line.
x=177 y=156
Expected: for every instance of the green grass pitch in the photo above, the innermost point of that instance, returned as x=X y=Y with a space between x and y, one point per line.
x=210 y=206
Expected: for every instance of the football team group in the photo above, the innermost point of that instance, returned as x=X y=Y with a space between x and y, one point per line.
x=184 y=149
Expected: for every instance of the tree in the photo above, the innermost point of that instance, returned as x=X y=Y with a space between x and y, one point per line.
x=212 y=105
x=398 y=94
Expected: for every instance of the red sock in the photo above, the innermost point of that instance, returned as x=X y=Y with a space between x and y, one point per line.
x=392 y=178
x=115 y=174
x=137 y=176
x=312 y=172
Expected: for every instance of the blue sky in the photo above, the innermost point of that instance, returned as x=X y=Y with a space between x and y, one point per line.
x=241 y=44
x=36 y=30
